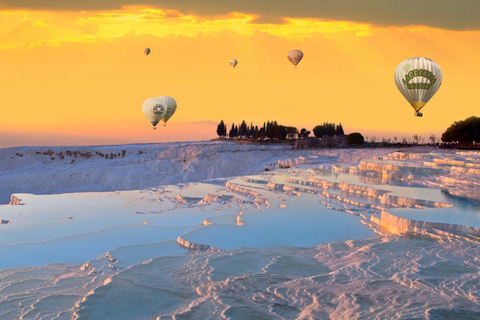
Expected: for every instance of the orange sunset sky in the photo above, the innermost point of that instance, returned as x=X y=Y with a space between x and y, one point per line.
x=74 y=74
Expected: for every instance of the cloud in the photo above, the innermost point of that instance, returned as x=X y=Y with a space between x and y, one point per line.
x=79 y=68
x=445 y=14
x=22 y=28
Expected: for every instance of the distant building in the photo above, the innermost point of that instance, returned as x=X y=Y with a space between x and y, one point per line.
x=307 y=143
x=337 y=141
x=341 y=140
x=328 y=142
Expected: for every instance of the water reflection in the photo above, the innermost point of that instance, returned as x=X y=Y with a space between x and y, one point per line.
x=462 y=202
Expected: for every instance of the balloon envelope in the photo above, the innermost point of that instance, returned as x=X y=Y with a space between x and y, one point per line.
x=171 y=105
x=418 y=79
x=154 y=109
x=233 y=63
x=147 y=51
x=294 y=56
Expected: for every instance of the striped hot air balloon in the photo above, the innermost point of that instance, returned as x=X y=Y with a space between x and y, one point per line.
x=418 y=79
x=154 y=109
x=171 y=107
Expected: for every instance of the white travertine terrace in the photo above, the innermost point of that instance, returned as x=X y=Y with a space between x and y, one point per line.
x=195 y=246
x=401 y=225
x=333 y=228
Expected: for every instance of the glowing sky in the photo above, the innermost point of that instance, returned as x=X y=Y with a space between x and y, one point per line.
x=77 y=75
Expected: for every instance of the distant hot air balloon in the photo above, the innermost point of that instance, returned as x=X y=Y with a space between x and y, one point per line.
x=418 y=79
x=294 y=56
x=171 y=108
x=147 y=51
x=154 y=109
x=233 y=63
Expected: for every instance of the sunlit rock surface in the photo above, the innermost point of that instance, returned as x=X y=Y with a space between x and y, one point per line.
x=14 y=201
x=53 y=170
x=269 y=233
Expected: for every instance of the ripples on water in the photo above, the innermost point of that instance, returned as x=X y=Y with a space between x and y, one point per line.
x=385 y=277
x=381 y=278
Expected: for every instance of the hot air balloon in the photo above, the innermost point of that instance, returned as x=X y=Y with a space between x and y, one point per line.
x=233 y=63
x=418 y=79
x=147 y=51
x=154 y=109
x=294 y=56
x=171 y=108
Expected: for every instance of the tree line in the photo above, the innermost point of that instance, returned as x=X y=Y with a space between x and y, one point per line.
x=276 y=131
x=465 y=131
x=328 y=129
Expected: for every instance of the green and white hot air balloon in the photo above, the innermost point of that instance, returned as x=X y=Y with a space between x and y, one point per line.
x=418 y=79
x=154 y=109
x=171 y=108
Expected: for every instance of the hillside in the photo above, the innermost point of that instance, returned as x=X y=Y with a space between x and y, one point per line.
x=52 y=170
